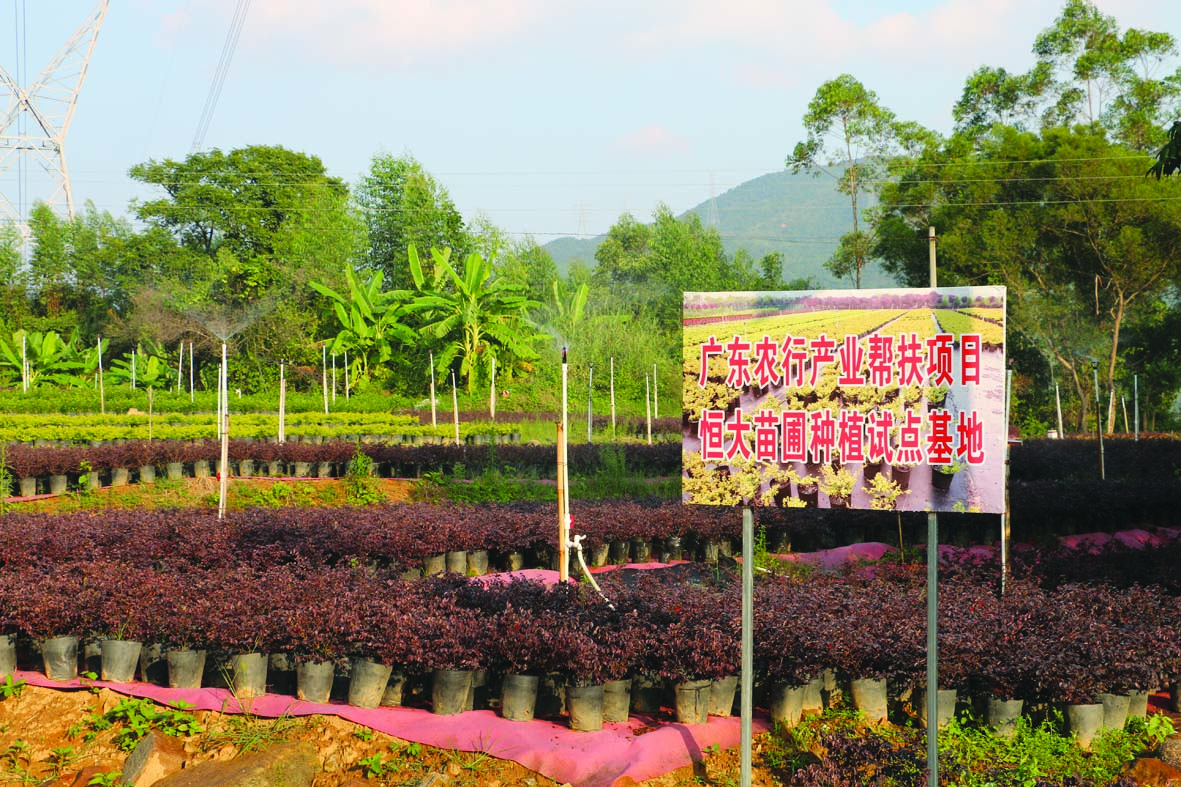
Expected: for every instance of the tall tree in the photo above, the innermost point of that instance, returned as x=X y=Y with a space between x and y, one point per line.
x=1061 y=218
x=403 y=205
x=239 y=200
x=848 y=129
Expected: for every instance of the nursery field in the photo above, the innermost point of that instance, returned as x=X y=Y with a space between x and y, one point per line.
x=433 y=560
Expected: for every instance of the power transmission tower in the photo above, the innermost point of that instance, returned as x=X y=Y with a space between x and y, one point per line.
x=35 y=120
x=711 y=213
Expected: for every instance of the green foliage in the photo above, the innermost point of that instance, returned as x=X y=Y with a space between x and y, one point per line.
x=5 y=481
x=361 y=489
x=370 y=320
x=138 y=717
x=108 y=779
x=403 y=206
x=11 y=688
x=474 y=316
x=1040 y=752
x=247 y=732
x=50 y=358
x=277 y=495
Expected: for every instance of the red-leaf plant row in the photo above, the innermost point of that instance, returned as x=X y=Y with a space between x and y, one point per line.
x=387 y=536
x=396 y=459
x=1062 y=644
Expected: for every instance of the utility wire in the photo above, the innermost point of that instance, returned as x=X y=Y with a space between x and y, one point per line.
x=219 y=74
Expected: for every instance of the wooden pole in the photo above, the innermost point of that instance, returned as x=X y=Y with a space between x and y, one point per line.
x=434 y=418
x=455 y=406
x=224 y=474
x=324 y=376
x=563 y=509
x=492 y=393
x=282 y=436
x=612 y=397
x=648 y=407
x=590 y=403
x=102 y=394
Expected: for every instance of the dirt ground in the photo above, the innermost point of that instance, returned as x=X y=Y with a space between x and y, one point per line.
x=46 y=735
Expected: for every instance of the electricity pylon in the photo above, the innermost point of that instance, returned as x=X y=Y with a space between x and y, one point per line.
x=47 y=108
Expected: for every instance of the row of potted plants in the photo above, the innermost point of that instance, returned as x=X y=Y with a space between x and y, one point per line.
x=1070 y=644
x=394 y=459
x=1031 y=462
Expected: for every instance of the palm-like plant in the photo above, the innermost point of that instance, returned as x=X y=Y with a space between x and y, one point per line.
x=370 y=319
x=49 y=356
x=475 y=315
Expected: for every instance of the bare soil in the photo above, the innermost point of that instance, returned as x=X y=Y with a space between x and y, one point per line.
x=44 y=736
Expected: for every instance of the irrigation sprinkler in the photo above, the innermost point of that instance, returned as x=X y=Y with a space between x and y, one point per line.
x=590 y=403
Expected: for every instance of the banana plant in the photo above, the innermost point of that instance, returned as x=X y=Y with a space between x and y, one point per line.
x=477 y=318
x=149 y=369
x=569 y=306
x=370 y=321
x=49 y=357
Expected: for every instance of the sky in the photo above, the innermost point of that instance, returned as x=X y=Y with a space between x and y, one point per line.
x=549 y=117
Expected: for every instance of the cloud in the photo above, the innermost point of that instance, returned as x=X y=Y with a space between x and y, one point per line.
x=811 y=36
x=651 y=139
x=389 y=33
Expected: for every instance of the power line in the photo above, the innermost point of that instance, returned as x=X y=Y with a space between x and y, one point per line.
x=219 y=74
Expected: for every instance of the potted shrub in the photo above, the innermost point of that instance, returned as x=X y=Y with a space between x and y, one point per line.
x=49 y=605
x=695 y=636
x=243 y=625
x=789 y=658
x=884 y=493
x=942 y=475
x=887 y=640
x=123 y=616
x=838 y=485
x=318 y=621
x=183 y=614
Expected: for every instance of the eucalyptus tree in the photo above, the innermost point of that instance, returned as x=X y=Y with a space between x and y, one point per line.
x=1064 y=219
x=1088 y=70
x=850 y=137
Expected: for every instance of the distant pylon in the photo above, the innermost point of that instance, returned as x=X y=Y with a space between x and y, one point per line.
x=711 y=215
x=48 y=107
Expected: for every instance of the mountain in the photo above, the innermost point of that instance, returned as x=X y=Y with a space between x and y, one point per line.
x=800 y=216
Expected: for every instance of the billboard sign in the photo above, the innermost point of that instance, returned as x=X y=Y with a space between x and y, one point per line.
x=877 y=399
